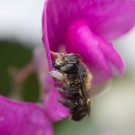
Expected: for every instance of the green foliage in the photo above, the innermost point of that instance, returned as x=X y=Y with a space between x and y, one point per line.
x=14 y=54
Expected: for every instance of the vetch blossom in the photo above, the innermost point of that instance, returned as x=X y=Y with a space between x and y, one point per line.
x=86 y=27
x=79 y=26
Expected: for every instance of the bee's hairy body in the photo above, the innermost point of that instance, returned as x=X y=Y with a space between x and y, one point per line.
x=76 y=82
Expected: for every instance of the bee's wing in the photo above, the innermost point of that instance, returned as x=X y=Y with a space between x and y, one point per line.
x=87 y=100
x=85 y=86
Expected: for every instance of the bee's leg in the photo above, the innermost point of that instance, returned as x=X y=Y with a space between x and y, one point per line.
x=67 y=89
x=70 y=89
x=66 y=103
x=60 y=88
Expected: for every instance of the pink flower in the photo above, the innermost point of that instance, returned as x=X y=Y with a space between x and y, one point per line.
x=18 y=118
x=86 y=27
x=79 y=26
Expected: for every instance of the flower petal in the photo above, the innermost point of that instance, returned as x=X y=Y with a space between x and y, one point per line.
x=96 y=53
x=18 y=118
x=112 y=56
x=107 y=18
x=46 y=41
x=55 y=109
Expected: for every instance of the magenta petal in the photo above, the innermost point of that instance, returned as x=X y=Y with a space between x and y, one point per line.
x=107 y=18
x=55 y=110
x=112 y=56
x=80 y=40
x=46 y=41
x=96 y=53
x=22 y=119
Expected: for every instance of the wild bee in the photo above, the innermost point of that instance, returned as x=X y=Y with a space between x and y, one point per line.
x=76 y=81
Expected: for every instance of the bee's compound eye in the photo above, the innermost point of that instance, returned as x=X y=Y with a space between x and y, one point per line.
x=69 y=68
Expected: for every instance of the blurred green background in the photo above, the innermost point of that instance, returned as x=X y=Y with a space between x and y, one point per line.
x=14 y=55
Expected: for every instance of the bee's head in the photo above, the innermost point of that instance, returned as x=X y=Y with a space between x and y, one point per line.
x=67 y=63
